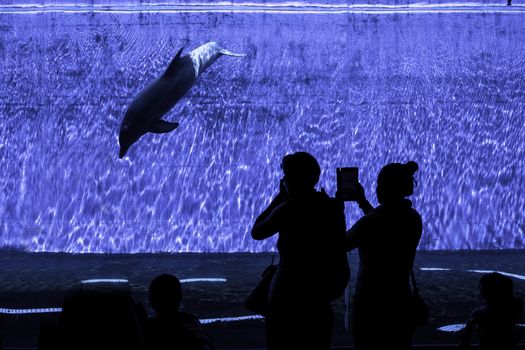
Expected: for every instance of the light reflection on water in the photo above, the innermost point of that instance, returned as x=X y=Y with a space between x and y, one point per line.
x=357 y=90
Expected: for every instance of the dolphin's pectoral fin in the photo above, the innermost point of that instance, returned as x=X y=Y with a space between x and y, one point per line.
x=162 y=126
x=174 y=65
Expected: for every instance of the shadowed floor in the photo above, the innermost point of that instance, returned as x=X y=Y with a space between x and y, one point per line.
x=39 y=280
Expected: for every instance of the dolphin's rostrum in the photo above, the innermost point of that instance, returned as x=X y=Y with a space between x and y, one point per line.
x=145 y=112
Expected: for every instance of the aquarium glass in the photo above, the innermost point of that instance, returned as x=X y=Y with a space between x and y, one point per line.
x=355 y=84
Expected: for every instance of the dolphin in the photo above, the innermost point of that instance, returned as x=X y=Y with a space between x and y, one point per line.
x=145 y=112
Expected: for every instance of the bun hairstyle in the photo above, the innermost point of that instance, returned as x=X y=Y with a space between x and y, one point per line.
x=396 y=181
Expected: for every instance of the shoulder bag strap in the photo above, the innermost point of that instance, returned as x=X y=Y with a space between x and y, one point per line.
x=273 y=258
x=414 y=284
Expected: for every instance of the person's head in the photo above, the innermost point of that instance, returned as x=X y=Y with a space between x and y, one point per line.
x=165 y=294
x=396 y=181
x=301 y=173
x=496 y=288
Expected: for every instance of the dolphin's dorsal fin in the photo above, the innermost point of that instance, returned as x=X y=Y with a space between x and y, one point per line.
x=162 y=126
x=172 y=68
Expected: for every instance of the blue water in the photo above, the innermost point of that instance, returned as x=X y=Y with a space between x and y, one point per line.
x=355 y=85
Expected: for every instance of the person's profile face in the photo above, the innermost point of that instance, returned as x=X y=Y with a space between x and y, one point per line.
x=284 y=185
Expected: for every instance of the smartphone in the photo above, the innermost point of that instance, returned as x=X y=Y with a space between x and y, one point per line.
x=347 y=179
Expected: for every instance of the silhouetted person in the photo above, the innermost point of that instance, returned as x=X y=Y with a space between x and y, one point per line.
x=509 y=2
x=172 y=328
x=313 y=268
x=495 y=321
x=94 y=317
x=386 y=238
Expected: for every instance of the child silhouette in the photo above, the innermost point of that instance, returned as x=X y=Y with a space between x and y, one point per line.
x=495 y=321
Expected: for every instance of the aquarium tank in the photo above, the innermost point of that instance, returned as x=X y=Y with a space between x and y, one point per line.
x=359 y=84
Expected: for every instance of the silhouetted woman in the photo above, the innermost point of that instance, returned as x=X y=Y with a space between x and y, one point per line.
x=313 y=269
x=386 y=238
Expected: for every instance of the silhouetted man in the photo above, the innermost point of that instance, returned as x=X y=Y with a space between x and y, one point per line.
x=313 y=268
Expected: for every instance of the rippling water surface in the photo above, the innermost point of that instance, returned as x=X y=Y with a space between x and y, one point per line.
x=355 y=85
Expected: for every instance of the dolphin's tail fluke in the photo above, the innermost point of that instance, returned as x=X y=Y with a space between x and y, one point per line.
x=229 y=53
x=204 y=56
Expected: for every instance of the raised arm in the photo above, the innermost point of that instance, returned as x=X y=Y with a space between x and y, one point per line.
x=361 y=200
x=356 y=232
x=268 y=222
x=357 y=195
